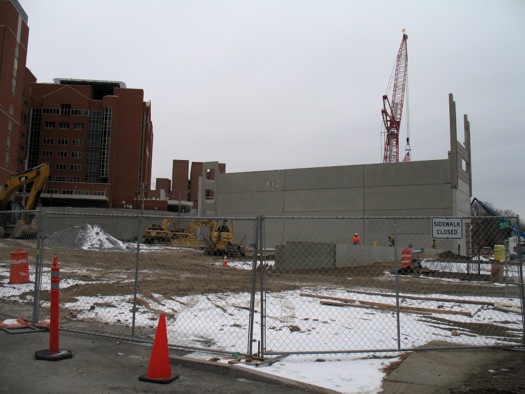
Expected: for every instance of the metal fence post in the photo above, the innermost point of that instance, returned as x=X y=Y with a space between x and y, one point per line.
x=256 y=252
x=262 y=278
x=136 y=282
x=396 y=270
x=38 y=267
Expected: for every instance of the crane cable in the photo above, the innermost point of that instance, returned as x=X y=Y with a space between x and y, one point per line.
x=408 y=149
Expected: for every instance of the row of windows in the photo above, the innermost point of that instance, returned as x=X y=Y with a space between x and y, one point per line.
x=77 y=192
x=62 y=141
x=63 y=125
x=72 y=167
x=62 y=153
x=65 y=110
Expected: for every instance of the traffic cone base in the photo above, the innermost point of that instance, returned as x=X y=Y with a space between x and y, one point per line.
x=146 y=378
x=47 y=355
x=159 y=370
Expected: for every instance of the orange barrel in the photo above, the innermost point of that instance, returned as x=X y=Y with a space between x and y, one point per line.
x=406 y=257
x=19 y=267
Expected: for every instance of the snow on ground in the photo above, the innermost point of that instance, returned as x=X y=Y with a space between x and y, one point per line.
x=344 y=373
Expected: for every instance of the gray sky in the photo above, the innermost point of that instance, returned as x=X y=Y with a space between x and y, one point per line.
x=278 y=84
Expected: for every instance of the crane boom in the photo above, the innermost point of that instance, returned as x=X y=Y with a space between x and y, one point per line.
x=392 y=111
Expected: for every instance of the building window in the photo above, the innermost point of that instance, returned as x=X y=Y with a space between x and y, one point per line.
x=47 y=141
x=62 y=141
x=79 y=126
x=75 y=167
x=82 y=192
x=62 y=153
x=60 y=166
x=64 y=125
x=98 y=193
x=47 y=153
x=65 y=109
x=76 y=155
x=60 y=178
x=49 y=125
x=52 y=191
x=75 y=179
x=77 y=142
x=52 y=111
x=67 y=191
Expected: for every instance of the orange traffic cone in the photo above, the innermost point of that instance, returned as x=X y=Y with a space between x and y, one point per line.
x=159 y=370
x=225 y=261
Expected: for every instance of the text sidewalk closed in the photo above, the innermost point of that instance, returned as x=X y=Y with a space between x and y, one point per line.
x=447 y=228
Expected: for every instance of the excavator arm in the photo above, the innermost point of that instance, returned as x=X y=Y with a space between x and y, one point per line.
x=38 y=175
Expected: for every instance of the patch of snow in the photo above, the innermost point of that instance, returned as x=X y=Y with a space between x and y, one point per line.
x=86 y=236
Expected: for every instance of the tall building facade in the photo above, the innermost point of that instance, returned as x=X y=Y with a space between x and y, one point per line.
x=98 y=138
x=14 y=35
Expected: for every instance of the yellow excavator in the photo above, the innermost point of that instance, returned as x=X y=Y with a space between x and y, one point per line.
x=16 y=219
x=161 y=233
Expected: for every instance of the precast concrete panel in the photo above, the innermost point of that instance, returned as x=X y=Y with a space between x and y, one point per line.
x=262 y=181
x=401 y=198
x=324 y=178
x=324 y=200
x=254 y=203
x=404 y=174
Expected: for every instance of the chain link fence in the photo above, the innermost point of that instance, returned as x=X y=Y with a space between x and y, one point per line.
x=272 y=285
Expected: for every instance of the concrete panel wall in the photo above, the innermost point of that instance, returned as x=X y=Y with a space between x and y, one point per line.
x=401 y=189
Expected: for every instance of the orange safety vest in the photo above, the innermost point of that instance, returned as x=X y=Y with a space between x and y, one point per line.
x=406 y=257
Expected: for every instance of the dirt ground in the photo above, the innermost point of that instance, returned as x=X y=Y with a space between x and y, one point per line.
x=503 y=374
x=183 y=272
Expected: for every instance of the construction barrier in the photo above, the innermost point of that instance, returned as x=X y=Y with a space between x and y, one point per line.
x=19 y=267
x=406 y=257
x=54 y=353
x=159 y=369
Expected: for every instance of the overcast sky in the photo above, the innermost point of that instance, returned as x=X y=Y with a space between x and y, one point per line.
x=279 y=84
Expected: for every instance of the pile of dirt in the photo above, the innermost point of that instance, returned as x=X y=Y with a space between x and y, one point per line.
x=449 y=255
x=85 y=236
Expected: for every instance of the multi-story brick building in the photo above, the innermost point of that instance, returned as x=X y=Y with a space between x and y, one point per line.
x=14 y=35
x=97 y=137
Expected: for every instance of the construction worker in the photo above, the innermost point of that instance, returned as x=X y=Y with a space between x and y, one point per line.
x=356 y=240
x=390 y=240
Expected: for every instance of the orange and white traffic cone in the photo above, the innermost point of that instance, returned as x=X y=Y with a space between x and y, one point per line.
x=225 y=261
x=159 y=369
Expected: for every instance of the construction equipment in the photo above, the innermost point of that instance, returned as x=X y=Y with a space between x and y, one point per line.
x=393 y=110
x=162 y=233
x=193 y=236
x=221 y=240
x=16 y=219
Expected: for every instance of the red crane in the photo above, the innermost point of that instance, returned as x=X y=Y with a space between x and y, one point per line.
x=393 y=110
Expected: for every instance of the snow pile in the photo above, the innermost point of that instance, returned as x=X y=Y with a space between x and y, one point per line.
x=85 y=236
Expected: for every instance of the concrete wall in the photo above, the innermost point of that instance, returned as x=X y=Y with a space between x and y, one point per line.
x=420 y=188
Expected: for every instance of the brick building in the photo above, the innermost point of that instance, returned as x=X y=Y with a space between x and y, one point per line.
x=98 y=138
x=96 y=135
x=14 y=36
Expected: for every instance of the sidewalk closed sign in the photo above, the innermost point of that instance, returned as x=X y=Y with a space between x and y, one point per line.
x=448 y=228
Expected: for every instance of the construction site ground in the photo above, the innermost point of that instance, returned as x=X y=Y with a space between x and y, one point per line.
x=454 y=371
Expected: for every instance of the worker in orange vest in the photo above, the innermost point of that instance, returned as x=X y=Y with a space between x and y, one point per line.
x=356 y=240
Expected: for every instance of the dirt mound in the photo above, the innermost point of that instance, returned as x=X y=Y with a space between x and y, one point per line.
x=85 y=236
x=451 y=255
